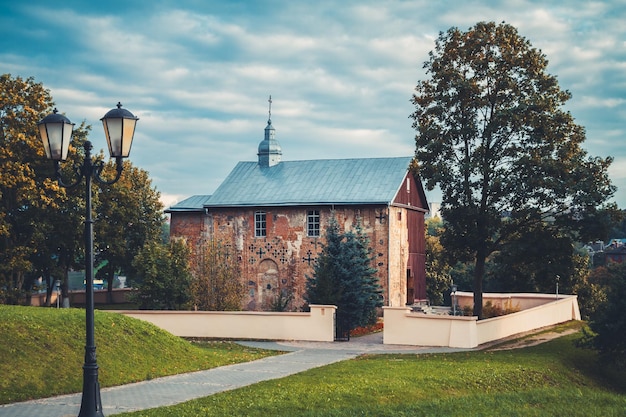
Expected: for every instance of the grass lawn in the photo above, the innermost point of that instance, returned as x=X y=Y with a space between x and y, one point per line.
x=41 y=355
x=552 y=379
x=42 y=351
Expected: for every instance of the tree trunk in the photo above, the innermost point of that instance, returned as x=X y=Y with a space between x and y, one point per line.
x=48 y=280
x=479 y=272
x=109 y=279
x=65 y=290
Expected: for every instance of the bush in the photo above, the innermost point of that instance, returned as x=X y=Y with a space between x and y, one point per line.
x=608 y=321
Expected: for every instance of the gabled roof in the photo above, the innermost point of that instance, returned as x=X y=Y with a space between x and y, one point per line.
x=193 y=203
x=312 y=182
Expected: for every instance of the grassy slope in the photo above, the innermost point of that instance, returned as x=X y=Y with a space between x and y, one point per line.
x=552 y=379
x=42 y=351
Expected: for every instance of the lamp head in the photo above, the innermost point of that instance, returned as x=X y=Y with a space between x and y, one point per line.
x=56 y=133
x=119 y=128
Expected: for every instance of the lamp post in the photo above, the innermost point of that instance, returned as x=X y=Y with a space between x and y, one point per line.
x=56 y=132
x=558 y=277
x=453 y=292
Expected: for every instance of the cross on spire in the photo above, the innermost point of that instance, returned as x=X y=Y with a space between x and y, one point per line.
x=269 y=117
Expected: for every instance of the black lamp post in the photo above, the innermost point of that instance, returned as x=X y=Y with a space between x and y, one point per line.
x=56 y=132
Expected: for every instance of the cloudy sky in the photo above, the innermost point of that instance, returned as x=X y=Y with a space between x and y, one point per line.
x=198 y=73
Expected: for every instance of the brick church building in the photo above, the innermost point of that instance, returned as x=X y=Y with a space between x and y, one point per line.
x=274 y=214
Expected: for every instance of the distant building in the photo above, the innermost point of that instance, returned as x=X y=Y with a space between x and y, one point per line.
x=615 y=251
x=434 y=211
x=274 y=214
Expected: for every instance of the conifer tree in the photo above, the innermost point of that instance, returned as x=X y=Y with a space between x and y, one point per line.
x=324 y=286
x=343 y=276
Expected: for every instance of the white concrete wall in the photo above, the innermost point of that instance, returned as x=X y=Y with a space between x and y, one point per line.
x=553 y=312
x=520 y=301
x=317 y=325
x=403 y=327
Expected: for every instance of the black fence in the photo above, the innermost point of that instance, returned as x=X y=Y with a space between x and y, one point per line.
x=342 y=328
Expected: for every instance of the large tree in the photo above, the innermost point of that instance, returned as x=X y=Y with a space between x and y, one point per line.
x=129 y=214
x=493 y=134
x=163 y=276
x=41 y=224
x=27 y=193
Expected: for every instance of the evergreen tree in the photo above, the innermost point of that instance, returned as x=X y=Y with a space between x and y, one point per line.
x=370 y=292
x=344 y=277
x=324 y=286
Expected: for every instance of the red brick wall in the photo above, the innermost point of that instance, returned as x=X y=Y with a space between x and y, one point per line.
x=286 y=255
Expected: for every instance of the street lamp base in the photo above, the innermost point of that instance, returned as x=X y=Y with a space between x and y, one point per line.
x=91 y=403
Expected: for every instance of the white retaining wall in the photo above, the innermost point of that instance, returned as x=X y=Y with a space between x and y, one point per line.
x=404 y=327
x=317 y=325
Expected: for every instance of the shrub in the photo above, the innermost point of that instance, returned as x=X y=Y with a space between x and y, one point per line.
x=608 y=321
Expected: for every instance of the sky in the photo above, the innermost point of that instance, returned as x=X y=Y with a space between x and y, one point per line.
x=198 y=74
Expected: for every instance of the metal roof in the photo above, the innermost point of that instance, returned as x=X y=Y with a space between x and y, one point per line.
x=193 y=203
x=312 y=182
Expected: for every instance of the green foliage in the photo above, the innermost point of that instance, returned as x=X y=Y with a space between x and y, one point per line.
x=361 y=293
x=438 y=280
x=618 y=228
x=343 y=276
x=216 y=284
x=26 y=194
x=552 y=379
x=41 y=224
x=493 y=134
x=531 y=262
x=43 y=351
x=495 y=310
x=164 y=276
x=128 y=215
x=324 y=287
x=608 y=320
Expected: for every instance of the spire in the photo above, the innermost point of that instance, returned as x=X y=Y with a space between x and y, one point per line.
x=269 y=149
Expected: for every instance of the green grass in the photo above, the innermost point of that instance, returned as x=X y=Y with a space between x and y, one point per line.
x=551 y=379
x=41 y=354
x=42 y=351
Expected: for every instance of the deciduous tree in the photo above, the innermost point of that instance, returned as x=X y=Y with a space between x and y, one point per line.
x=128 y=215
x=216 y=284
x=438 y=280
x=493 y=134
x=608 y=320
x=26 y=191
x=163 y=275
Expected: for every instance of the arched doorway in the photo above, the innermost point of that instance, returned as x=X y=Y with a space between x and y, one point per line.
x=268 y=283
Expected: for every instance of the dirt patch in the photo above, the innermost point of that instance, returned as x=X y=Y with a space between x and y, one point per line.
x=522 y=341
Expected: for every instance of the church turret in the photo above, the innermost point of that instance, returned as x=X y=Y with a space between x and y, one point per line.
x=270 y=151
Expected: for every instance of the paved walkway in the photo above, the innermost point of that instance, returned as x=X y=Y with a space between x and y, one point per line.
x=180 y=388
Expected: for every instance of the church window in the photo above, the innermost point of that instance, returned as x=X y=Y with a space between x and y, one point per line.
x=260 y=225
x=313 y=223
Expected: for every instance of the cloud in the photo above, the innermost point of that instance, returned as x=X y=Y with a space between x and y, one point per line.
x=198 y=74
